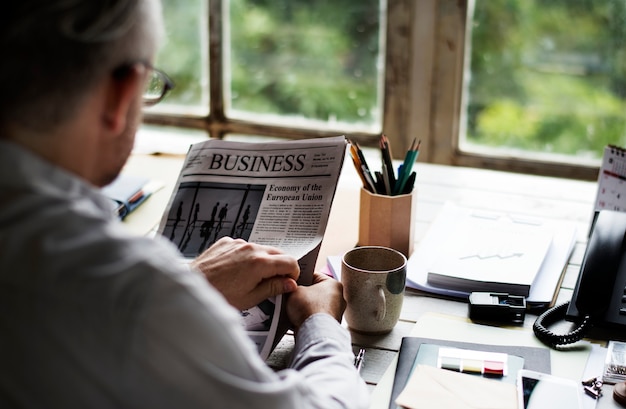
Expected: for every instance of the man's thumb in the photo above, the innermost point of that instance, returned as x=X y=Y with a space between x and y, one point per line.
x=276 y=286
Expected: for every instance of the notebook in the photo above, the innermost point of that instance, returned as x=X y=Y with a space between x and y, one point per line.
x=127 y=192
x=534 y=358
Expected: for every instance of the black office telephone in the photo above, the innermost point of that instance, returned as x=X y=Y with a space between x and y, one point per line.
x=599 y=298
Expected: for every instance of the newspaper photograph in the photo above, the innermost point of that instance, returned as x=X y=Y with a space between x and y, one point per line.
x=272 y=193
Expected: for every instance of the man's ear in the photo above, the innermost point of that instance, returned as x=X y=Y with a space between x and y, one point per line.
x=122 y=91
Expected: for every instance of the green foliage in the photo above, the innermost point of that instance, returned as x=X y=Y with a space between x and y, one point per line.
x=548 y=75
x=180 y=55
x=316 y=59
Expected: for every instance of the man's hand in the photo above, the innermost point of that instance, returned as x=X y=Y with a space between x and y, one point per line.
x=247 y=273
x=325 y=295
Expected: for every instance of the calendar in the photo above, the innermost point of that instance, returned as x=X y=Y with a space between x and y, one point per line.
x=612 y=180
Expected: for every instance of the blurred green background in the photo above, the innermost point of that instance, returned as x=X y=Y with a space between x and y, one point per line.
x=548 y=75
x=545 y=75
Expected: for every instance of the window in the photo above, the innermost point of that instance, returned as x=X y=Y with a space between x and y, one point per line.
x=291 y=68
x=305 y=62
x=183 y=56
x=547 y=76
x=524 y=85
x=539 y=85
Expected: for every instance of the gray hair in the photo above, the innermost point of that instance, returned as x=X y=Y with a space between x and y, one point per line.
x=54 y=51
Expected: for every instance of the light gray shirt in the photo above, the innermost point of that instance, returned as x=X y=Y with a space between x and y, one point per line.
x=93 y=317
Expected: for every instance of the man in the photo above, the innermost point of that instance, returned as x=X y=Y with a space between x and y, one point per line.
x=91 y=317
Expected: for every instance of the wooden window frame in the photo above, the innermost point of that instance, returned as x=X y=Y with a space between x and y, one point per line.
x=422 y=92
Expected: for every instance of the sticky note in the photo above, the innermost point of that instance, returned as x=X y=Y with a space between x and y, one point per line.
x=470 y=361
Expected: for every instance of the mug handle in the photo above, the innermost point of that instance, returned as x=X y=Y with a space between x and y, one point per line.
x=381 y=311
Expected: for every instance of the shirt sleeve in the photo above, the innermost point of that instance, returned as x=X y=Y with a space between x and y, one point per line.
x=192 y=351
x=323 y=356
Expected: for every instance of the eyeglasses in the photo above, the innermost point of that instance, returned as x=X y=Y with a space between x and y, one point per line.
x=157 y=86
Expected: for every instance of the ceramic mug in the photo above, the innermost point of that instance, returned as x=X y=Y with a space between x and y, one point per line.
x=373 y=279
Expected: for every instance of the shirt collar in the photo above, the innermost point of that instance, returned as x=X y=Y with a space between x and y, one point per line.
x=21 y=169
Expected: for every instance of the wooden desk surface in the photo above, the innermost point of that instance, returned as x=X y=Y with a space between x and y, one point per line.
x=491 y=190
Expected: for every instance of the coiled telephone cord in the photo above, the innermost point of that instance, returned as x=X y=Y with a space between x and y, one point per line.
x=552 y=316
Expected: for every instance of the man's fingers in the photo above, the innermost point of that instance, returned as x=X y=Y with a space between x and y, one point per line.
x=271 y=288
x=272 y=260
x=281 y=265
x=319 y=277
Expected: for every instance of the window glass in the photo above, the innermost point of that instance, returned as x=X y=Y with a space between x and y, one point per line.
x=547 y=76
x=183 y=55
x=317 y=60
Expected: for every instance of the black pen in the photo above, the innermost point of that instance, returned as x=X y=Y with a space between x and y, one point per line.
x=408 y=187
x=358 y=361
x=385 y=150
x=380 y=183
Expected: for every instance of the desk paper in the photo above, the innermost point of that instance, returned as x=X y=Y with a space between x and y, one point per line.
x=569 y=364
x=430 y=387
x=611 y=192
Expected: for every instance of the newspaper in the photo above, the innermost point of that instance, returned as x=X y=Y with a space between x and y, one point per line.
x=272 y=193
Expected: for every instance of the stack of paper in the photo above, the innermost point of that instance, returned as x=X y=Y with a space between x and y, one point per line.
x=467 y=250
x=491 y=252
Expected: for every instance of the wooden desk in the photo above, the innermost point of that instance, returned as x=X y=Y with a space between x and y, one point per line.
x=524 y=194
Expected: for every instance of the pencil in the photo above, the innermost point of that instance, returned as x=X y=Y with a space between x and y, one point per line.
x=361 y=168
x=385 y=150
x=407 y=165
x=365 y=169
x=359 y=172
x=387 y=180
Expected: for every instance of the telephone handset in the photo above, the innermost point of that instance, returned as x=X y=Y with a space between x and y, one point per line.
x=599 y=298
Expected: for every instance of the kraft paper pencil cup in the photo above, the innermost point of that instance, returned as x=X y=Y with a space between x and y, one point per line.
x=387 y=221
